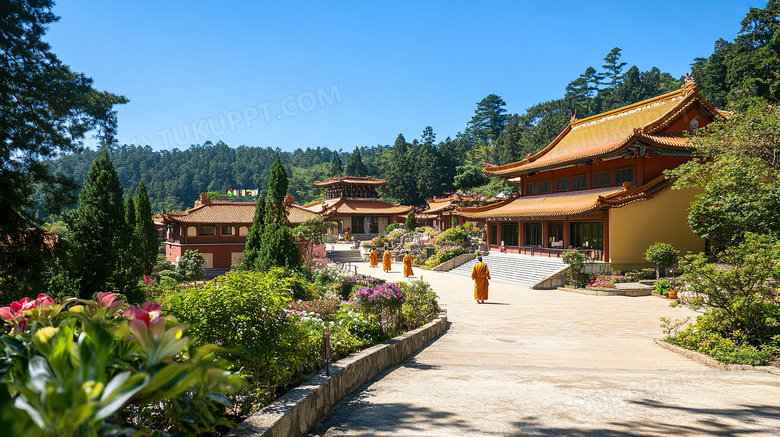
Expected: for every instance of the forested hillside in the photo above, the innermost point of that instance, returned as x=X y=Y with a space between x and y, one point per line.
x=422 y=168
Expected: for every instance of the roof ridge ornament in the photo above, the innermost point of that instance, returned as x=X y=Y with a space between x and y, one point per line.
x=688 y=84
x=573 y=116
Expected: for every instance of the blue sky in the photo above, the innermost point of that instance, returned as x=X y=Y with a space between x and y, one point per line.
x=347 y=74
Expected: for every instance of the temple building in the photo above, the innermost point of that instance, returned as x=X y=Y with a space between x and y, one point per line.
x=216 y=229
x=600 y=187
x=353 y=202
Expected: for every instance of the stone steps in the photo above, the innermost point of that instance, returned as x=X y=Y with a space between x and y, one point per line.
x=515 y=269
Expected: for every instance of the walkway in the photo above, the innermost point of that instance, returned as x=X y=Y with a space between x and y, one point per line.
x=550 y=363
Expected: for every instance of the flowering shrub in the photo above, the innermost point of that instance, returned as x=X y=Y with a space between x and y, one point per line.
x=322 y=307
x=444 y=254
x=576 y=262
x=82 y=367
x=605 y=281
x=419 y=307
x=374 y=300
x=453 y=236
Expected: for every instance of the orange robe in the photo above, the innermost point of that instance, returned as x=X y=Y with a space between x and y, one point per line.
x=374 y=261
x=386 y=261
x=408 y=265
x=480 y=275
x=346 y=236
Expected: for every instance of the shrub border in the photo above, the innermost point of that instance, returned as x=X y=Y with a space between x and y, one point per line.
x=299 y=410
x=712 y=362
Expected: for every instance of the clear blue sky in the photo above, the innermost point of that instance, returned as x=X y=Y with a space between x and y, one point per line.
x=346 y=74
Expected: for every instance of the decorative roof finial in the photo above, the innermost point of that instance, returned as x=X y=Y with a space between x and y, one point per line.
x=573 y=116
x=689 y=83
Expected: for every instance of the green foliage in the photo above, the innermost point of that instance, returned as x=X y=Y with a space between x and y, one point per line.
x=277 y=249
x=576 y=262
x=663 y=254
x=147 y=233
x=390 y=228
x=276 y=210
x=420 y=305
x=445 y=254
x=81 y=368
x=47 y=110
x=336 y=167
x=740 y=293
x=747 y=67
x=173 y=274
x=245 y=314
x=190 y=265
x=101 y=251
x=312 y=231
x=662 y=287
x=454 y=236
x=489 y=119
x=411 y=222
x=254 y=237
x=736 y=166
x=355 y=166
x=470 y=176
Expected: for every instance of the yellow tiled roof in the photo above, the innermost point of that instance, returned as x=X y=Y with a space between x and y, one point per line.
x=370 y=207
x=236 y=213
x=357 y=180
x=609 y=132
x=566 y=203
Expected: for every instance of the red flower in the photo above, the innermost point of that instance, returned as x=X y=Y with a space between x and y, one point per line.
x=108 y=300
x=16 y=309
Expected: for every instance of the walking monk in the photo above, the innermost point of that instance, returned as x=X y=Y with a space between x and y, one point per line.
x=480 y=275
x=408 y=265
x=386 y=261
x=374 y=261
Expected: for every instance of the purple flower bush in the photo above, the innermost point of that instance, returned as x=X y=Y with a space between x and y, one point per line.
x=374 y=300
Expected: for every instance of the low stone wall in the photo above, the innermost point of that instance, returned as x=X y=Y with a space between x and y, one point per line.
x=631 y=292
x=553 y=282
x=454 y=262
x=299 y=410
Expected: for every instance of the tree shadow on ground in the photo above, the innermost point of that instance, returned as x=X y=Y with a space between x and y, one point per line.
x=693 y=421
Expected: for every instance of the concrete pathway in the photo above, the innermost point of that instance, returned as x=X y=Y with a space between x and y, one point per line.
x=550 y=363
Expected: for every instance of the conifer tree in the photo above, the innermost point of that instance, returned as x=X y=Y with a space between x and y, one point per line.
x=147 y=234
x=613 y=70
x=254 y=237
x=411 y=221
x=336 y=167
x=355 y=166
x=399 y=180
x=276 y=210
x=99 y=234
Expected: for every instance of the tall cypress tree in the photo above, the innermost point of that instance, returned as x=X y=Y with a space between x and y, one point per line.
x=276 y=210
x=254 y=237
x=99 y=234
x=144 y=225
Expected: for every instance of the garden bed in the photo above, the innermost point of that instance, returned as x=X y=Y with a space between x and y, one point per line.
x=607 y=291
x=712 y=362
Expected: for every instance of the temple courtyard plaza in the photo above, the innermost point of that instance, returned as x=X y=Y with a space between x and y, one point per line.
x=551 y=363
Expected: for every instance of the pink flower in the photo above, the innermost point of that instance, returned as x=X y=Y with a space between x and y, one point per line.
x=16 y=309
x=145 y=313
x=44 y=302
x=109 y=300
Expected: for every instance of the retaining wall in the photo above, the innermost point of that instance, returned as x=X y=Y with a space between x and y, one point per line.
x=297 y=412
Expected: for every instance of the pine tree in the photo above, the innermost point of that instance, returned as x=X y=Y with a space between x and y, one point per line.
x=508 y=146
x=254 y=237
x=277 y=249
x=489 y=120
x=99 y=230
x=336 y=167
x=428 y=172
x=144 y=225
x=400 y=182
x=355 y=166
x=613 y=71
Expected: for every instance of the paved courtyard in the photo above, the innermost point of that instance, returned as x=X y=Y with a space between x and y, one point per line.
x=550 y=363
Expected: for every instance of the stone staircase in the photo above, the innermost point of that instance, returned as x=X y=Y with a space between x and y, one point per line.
x=515 y=269
x=344 y=255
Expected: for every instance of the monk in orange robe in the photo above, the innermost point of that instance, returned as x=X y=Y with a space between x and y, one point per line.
x=374 y=260
x=408 y=265
x=480 y=275
x=386 y=258
x=346 y=235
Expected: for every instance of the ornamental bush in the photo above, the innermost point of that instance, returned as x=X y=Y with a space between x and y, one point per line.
x=445 y=254
x=190 y=265
x=453 y=236
x=662 y=255
x=576 y=262
x=386 y=297
x=740 y=292
x=102 y=368
x=420 y=305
